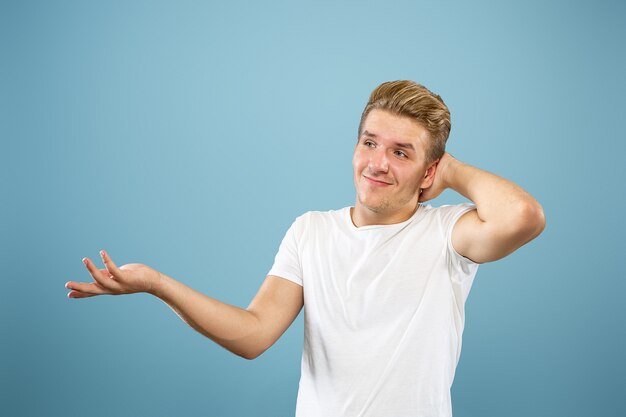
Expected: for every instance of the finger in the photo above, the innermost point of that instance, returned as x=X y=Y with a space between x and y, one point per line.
x=78 y=294
x=109 y=264
x=105 y=272
x=101 y=279
x=87 y=287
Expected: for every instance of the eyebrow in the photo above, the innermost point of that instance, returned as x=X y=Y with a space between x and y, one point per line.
x=399 y=145
x=405 y=146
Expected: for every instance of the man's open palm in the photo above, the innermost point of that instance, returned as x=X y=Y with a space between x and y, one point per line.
x=127 y=279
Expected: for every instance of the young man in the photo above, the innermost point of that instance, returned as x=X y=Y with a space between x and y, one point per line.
x=384 y=282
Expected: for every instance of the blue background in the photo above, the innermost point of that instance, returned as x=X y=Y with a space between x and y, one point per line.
x=188 y=135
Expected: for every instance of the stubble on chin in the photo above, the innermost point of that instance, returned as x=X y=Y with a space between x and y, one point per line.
x=381 y=207
x=385 y=205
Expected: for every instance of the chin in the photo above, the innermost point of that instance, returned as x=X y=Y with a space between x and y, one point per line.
x=375 y=206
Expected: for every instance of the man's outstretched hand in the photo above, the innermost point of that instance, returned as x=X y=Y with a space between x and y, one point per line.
x=127 y=279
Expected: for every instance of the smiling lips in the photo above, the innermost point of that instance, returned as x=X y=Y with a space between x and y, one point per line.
x=376 y=182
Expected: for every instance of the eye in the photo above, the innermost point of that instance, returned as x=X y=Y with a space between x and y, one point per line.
x=369 y=144
x=401 y=154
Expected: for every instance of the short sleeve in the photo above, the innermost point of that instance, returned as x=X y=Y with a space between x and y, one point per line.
x=287 y=262
x=462 y=270
x=454 y=216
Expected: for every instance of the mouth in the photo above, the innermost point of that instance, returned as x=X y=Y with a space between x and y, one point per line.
x=376 y=182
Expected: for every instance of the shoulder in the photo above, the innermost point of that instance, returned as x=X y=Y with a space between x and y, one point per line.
x=447 y=214
x=321 y=216
x=448 y=217
x=451 y=209
x=317 y=219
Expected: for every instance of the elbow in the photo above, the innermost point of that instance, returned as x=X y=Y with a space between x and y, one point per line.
x=531 y=219
x=249 y=357
x=249 y=348
x=249 y=343
x=249 y=354
x=537 y=219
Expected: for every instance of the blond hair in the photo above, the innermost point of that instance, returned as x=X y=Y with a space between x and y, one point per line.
x=407 y=98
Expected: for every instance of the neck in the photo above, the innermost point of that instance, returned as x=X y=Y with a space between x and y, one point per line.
x=363 y=216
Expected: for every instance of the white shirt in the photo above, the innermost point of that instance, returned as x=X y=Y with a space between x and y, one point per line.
x=383 y=311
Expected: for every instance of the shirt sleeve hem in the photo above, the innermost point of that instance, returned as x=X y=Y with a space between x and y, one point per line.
x=286 y=275
x=457 y=216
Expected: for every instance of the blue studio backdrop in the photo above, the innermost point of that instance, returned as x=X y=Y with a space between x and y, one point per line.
x=188 y=135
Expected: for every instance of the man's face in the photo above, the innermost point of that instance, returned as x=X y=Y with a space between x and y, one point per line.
x=389 y=167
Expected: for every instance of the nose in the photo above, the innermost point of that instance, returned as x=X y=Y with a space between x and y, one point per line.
x=378 y=161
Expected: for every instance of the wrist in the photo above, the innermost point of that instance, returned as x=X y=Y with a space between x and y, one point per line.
x=158 y=285
x=459 y=175
x=449 y=169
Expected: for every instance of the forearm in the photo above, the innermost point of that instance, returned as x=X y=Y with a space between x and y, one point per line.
x=233 y=328
x=498 y=201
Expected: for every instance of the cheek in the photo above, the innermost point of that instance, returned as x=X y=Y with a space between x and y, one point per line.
x=407 y=177
x=414 y=182
x=355 y=163
x=358 y=162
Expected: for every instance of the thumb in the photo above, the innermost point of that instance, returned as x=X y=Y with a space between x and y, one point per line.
x=109 y=264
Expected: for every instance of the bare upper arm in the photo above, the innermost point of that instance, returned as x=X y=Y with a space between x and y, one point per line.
x=276 y=305
x=482 y=241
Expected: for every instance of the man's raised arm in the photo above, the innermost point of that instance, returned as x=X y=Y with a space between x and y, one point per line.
x=506 y=216
x=245 y=332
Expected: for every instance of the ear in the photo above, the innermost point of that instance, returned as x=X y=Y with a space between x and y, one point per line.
x=429 y=175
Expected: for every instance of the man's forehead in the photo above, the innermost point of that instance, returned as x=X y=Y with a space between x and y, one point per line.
x=401 y=130
x=405 y=145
